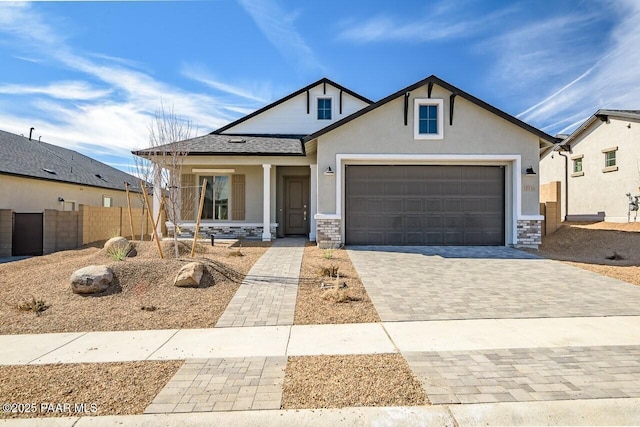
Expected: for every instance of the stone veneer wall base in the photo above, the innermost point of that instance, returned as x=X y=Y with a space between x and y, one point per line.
x=328 y=233
x=529 y=233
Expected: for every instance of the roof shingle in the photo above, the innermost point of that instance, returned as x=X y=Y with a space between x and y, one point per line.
x=21 y=156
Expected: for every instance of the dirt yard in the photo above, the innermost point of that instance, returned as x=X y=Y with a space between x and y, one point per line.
x=141 y=281
x=592 y=245
x=353 y=380
x=124 y=388
x=333 y=304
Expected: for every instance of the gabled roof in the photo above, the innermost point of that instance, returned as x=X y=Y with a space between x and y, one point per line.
x=226 y=144
x=20 y=156
x=601 y=115
x=435 y=80
x=288 y=97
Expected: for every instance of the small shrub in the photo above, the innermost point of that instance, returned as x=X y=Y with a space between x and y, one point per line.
x=338 y=295
x=328 y=254
x=37 y=306
x=118 y=253
x=331 y=271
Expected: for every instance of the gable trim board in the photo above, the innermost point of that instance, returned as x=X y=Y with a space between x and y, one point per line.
x=430 y=81
x=322 y=81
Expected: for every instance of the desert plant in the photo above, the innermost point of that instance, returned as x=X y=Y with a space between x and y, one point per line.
x=118 y=253
x=236 y=253
x=338 y=295
x=37 y=306
x=331 y=271
x=328 y=254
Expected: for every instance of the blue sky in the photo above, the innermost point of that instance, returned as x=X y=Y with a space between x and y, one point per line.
x=89 y=75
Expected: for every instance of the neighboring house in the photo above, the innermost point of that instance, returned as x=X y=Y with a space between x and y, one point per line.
x=35 y=176
x=600 y=161
x=427 y=165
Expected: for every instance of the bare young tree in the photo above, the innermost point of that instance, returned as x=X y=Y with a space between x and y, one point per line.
x=166 y=132
x=143 y=169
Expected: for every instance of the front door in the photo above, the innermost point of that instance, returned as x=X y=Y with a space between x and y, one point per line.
x=296 y=205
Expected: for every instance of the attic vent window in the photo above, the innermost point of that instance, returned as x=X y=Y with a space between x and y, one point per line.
x=237 y=140
x=100 y=177
x=49 y=171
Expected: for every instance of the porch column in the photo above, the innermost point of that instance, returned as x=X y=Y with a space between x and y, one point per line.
x=313 y=203
x=157 y=196
x=266 y=203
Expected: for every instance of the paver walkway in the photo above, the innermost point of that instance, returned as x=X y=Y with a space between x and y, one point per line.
x=444 y=283
x=229 y=384
x=528 y=374
x=267 y=296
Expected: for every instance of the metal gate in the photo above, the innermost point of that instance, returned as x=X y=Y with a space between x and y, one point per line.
x=27 y=234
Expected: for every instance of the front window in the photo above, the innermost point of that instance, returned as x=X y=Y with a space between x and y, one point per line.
x=609 y=159
x=577 y=165
x=216 y=200
x=324 y=108
x=428 y=120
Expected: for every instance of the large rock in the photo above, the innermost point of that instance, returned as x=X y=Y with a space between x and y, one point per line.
x=189 y=275
x=120 y=243
x=91 y=280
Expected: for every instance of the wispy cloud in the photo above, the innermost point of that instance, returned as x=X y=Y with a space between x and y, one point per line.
x=608 y=77
x=444 y=21
x=109 y=112
x=60 y=90
x=199 y=74
x=278 y=27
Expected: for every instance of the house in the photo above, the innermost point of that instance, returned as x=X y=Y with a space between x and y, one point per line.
x=597 y=166
x=36 y=178
x=428 y=165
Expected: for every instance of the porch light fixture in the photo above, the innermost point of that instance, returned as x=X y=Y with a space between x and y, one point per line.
x=530 y=171
x=60 y=199
x=328 y=171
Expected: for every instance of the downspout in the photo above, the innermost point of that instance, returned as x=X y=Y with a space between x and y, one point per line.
x=566 y=179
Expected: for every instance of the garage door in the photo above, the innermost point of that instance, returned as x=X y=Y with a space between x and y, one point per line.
x=425 y=205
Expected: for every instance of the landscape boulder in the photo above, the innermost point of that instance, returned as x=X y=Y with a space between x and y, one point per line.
x=91 y=280
x=189 y=275
x=119 y=243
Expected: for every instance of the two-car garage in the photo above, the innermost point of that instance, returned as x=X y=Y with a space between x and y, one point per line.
x=424 y=205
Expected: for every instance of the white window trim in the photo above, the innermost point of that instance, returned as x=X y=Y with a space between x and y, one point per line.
x=416 y=118
x=199 y=191
x=105 y=196
x=333 y=103
x=75 y=205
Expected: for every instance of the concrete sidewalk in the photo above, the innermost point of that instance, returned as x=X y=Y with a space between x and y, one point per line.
x=568 y=413
x=302 y=340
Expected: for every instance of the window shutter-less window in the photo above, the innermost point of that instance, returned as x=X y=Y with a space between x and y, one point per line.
x=237 y=197
x=187 y=209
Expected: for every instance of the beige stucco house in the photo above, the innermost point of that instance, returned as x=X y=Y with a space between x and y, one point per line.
x=597 y=166
x=35 y=176
x=428 y=165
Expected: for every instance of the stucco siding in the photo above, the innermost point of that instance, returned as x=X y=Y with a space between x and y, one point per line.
x=35 y=195
x=474 y=131
x=597 y=191
x=291 y=116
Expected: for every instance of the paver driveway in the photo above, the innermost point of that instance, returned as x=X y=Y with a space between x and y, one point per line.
x=445 y=283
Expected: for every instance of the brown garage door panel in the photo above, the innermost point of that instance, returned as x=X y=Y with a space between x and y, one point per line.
x=425 y=205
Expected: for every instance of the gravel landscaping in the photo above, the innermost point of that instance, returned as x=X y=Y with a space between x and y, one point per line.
x=124 y=388
x=316 y=305
x=590 y=245
x=142 y=296
x=353 y=380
